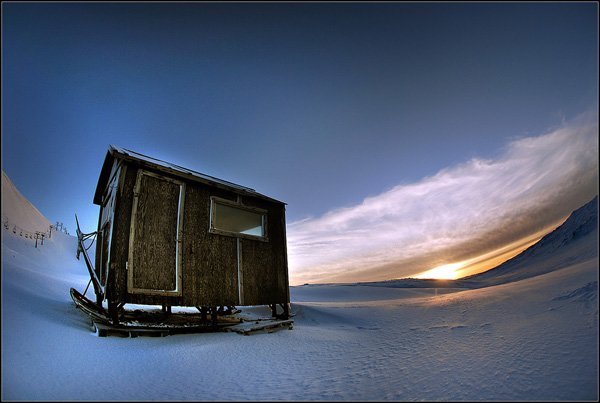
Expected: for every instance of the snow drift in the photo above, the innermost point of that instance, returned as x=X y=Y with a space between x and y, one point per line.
x=531 y=339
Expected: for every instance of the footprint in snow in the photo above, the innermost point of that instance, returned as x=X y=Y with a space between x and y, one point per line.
x=367 y=328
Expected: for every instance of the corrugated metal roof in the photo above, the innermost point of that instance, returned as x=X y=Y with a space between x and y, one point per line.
x=115 y=151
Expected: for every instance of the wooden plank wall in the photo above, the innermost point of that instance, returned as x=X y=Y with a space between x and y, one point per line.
x=209 y=261
x=105 y=219
x=119 y=251
x=264 y=264
x=155 y=239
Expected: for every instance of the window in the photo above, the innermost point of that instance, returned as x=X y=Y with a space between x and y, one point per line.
x=229 y=218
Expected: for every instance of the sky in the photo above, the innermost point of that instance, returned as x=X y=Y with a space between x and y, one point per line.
x=402 y=136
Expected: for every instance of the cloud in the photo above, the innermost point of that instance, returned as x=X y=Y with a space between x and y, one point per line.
x=459 y=213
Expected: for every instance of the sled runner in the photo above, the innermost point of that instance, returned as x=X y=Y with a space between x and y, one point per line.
x=159 y=323
x=263 y=325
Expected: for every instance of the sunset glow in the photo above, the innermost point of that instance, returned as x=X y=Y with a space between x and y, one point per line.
x=474 y=215
x=443 y=272
x=486 y=261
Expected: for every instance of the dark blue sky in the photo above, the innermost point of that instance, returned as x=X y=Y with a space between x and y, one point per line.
x=316 y=104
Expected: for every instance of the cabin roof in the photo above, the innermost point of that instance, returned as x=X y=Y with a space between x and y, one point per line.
x=115 y=152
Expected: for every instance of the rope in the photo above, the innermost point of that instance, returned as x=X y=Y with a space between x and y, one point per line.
x=88 y=286
x=93 y=240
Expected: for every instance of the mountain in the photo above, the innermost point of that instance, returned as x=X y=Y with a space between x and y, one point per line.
x=21 y=220
x=574 y=241
x=18 y=211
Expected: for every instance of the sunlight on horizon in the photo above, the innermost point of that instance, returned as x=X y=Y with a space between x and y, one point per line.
x=486 y=261
x=443 y=272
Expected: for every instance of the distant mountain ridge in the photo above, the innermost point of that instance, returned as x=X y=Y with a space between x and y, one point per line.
x=575 y=240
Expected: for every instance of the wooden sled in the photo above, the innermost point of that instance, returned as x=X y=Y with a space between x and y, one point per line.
x=157 y=323
x=260 y=326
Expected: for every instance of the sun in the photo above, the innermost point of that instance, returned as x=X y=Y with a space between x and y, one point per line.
x=444 y=272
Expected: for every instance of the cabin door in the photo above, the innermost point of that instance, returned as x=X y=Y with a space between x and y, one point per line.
x=154 y=265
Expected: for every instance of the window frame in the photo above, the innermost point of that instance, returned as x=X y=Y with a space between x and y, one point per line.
x=218 y=200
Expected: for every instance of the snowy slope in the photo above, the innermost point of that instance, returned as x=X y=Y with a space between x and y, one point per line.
x=565 y=244
x=18 y=211
x=534 y=339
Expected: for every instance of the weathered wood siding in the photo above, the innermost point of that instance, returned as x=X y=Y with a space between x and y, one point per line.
x=119 y=250
x=105 y=220
x=264 y=264
x=153 y=250
x=209 y=260
x=104 y=244
x=209 y=264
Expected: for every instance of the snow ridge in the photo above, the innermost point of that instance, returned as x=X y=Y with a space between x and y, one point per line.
x=17 y=210
x=587 y=293
x=575 y=240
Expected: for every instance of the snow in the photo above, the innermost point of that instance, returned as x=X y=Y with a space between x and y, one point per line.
x=531 y=339
x=20 y=211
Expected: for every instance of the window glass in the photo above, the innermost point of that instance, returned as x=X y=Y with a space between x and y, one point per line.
x=237 y=220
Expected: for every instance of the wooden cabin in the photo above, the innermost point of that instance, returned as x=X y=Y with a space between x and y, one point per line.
x=171 y=236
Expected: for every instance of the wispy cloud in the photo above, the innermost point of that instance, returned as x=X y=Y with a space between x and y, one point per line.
x=460 y=213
